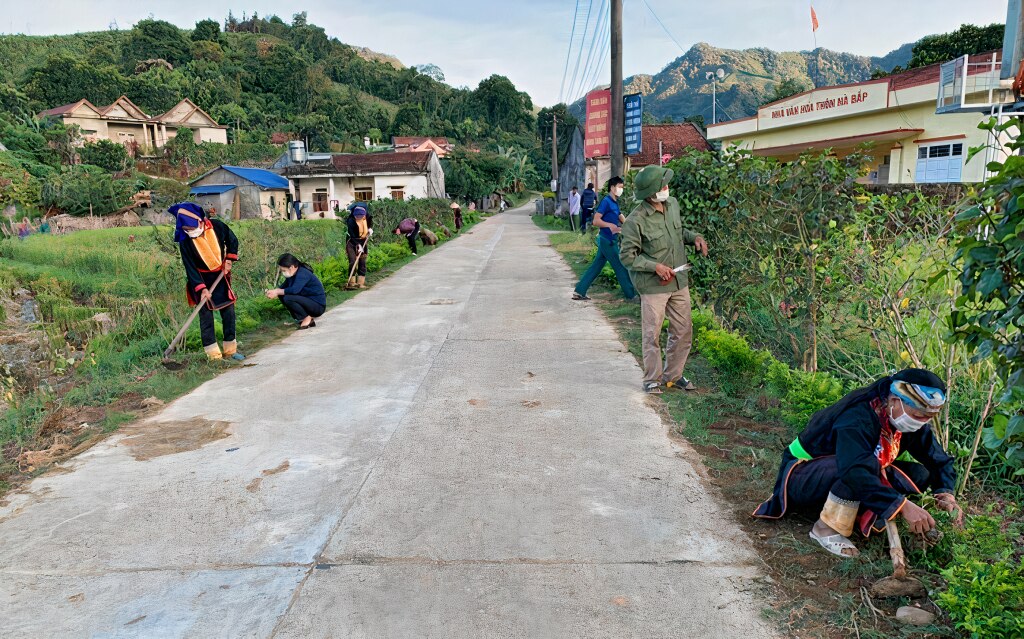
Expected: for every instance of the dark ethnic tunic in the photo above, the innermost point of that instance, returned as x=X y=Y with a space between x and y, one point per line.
x=200 y=276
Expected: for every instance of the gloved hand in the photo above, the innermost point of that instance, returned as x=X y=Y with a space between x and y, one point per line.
x=369 y=232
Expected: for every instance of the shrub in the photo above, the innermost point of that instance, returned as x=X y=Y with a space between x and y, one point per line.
x=383 y=254
x=703 y=320
x=109 y=156
x=731 y=355
x=807 y=394
x=82 y=189
x=985 y=599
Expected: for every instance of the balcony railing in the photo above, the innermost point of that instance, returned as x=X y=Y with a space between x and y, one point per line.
x=971 y=85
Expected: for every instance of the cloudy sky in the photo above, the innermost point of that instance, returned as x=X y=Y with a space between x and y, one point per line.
x=528 y=40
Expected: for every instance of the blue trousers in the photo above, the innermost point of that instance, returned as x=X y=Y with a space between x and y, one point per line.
x=607 y=253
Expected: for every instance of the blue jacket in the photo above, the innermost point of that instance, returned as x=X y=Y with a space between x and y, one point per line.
x=305 y=284
x=589 y=199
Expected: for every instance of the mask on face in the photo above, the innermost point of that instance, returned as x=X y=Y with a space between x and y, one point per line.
x=905 y=423
x=661 y=196
x=194 y=233
x=617 y=191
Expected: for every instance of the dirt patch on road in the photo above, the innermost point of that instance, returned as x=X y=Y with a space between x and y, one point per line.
x=156 y=439
x=254 y=485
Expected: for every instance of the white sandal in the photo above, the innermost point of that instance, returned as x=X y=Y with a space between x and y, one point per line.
x=835 y=544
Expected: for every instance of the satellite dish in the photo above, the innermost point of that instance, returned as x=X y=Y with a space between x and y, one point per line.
x=721 y=74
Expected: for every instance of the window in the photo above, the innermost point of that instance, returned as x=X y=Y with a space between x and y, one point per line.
x=397 y=193
x=364 y=194
x=940 y=163
x=320 y=200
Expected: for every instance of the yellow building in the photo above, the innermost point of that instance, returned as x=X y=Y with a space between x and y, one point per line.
x=910 y=142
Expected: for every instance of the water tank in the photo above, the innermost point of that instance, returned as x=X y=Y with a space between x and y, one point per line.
x=297 y=151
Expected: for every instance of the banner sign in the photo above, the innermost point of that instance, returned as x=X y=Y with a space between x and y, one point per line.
x=634 y=110
x=598 y=129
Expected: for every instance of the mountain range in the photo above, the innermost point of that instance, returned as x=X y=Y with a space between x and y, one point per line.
x=682 y=89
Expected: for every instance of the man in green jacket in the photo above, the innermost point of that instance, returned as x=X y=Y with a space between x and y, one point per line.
x=653 y=250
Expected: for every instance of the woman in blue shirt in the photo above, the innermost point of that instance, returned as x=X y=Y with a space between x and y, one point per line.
x=302 y=292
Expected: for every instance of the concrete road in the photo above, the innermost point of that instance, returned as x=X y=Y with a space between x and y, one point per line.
x=461 y=451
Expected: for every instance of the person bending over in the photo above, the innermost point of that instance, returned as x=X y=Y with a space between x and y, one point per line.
x=410 y=228
x=847 y=463
x=302 y=293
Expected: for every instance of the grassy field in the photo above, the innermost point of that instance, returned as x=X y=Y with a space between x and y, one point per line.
x=740 y=426
x=109 y=302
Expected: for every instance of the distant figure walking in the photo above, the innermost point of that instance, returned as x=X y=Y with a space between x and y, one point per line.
x=457 y=210
x=302 y=292
x=587 y=203
x=609 y=220
x=574 y=205
x=410 y=228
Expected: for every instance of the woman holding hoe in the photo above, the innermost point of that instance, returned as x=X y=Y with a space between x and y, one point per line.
x=208 y=249
x=360 y=229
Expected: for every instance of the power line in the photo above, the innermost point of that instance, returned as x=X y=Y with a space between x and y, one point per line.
x=602 y=60
x=568 y=53
x=669 y=33
x=583 y=41
x=601 y=31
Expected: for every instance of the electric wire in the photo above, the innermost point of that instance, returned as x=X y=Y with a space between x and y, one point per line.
x=568 y=53
x=583 y=41
x=599 y=45
x=594 y=33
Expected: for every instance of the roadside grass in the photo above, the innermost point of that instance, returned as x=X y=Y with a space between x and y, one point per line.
x=739 y=431
x=93 y=379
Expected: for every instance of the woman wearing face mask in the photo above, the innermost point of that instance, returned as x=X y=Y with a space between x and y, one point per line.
x=844 y=464
x=208 y=248
x=302 y=292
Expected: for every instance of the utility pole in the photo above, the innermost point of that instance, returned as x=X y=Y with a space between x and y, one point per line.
x=618 y=122
x=554 y=154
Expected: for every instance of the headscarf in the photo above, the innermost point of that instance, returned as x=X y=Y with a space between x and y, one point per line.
x=182 y=219
x=879 y=389
x=359 y=211
x=925 y=398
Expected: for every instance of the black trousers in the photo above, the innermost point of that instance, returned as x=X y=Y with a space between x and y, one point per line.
x=411 y=237
x=206 y=326
x=351 y=250
x=586 y=215
x=811 y=482
x=302 y=307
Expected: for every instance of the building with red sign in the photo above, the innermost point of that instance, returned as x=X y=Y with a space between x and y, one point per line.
x=896 y=116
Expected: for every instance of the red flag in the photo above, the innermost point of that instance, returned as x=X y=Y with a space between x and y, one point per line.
x=814 y=19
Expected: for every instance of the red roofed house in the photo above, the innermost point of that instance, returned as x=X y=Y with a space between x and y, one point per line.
x=910 y=142
x=441 y=146
x=324 y=186
x=672 y=139
x=124 y=122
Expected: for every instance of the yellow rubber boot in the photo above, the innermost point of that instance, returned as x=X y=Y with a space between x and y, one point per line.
x=213 y=351
x=361 y=281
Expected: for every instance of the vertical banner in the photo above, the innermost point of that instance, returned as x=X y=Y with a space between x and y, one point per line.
x=634 y=112
x=598 y=129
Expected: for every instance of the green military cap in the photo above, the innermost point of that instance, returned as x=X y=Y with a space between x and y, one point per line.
x=650 y=180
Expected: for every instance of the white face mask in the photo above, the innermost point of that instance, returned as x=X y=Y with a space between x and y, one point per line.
x=617 y=191
x=194 y=233
x=661 y=196
x=905 y=423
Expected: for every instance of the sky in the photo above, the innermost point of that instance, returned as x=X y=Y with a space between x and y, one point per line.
x=528 y=40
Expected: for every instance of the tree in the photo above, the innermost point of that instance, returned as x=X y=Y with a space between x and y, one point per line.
x=968 y=39
x=989 y=314
x=501 y=104
x=698 y=120
x=206 y=31
x=83 y=189
x=785 y=89
x=409 y=120
x=65 y=79
x=107 y=155
x=300 y=19
x=156 y=39
x=432 y=71
x=64 y=140
x=668 y=119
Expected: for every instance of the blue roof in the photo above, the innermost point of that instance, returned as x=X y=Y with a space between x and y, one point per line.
x=260 y=177
x=211 y=189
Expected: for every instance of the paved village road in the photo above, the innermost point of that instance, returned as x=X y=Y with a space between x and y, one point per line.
x=459 y=452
